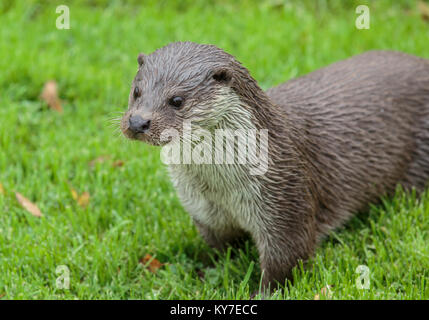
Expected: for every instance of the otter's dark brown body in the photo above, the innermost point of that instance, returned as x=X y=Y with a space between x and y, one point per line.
x=339 y=138
x=359 y=127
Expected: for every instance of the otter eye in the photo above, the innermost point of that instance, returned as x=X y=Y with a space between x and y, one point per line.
x=175 y=102
x=136 y=92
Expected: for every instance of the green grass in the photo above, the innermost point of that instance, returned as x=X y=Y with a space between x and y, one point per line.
x=134 y=209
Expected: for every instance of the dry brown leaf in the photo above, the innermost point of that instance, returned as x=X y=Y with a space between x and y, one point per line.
x=28 y=205
x=50 y=95
x=1 y=189
x=424 y=10
x=151 y=263
x=118 y=163
x=83 y=199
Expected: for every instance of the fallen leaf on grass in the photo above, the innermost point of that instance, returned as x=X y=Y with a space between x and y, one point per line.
x=102 y=159
x=1 y=189
x=151 y=263
x=50 y=96
x=424 y=10
x=82 y=200
x=118 y=163
x=325 y=291
x=28 y=205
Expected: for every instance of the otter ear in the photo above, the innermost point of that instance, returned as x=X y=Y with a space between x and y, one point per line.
x=222 y=75
x=140 y=59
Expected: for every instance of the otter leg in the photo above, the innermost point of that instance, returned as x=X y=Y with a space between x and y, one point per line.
x=279 y=253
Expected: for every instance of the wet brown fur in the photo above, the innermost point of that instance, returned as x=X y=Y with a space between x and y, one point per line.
x=339 y=138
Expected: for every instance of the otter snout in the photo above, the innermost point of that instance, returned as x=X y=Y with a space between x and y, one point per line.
x=138 y=125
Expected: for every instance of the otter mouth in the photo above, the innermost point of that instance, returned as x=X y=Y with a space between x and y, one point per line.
x=143 y=137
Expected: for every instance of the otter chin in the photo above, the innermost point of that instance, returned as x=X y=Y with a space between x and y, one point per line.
x=140 y=137
x=338 y=139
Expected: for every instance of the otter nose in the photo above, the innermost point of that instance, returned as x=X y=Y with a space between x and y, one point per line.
x=138 y=124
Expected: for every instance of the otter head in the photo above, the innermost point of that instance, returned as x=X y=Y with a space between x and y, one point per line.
x=182 y=81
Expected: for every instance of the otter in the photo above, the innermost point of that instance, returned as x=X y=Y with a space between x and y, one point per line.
x=339 y=139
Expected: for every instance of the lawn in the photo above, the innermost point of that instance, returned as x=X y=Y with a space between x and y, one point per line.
x=133 y=210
